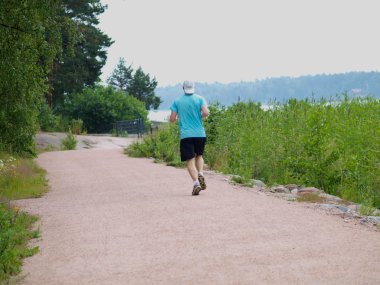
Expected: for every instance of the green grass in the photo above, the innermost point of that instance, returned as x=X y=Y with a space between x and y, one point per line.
x=47 y=148
x=163 y=146
x=20 y=178
x=329 y=144
x=14 y=235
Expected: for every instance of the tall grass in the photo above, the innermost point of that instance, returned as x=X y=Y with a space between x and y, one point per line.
x=333 y=145
x=19 y=178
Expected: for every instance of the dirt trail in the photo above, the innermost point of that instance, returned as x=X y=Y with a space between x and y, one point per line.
x=111 y=219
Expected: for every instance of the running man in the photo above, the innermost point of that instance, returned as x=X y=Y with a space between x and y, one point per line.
x=189 y=109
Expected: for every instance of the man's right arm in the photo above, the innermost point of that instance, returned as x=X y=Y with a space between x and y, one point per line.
x=205 y=111
x=173 y=117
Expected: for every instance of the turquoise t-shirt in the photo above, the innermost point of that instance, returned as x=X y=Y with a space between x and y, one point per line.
x=188 y=107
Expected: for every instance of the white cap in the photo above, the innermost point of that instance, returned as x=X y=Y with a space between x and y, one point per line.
x=189 y=87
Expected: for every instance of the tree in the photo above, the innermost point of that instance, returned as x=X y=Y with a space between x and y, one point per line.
x=137 y=84
x=142 y=87
x=29 y=41
x=80 y=65
x=121 y=77
x=100 y=107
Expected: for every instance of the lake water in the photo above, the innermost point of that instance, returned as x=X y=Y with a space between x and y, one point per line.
x=159 y=115
x=163 y=115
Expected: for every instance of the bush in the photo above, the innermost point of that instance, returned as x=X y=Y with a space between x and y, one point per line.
x=163 y=146
x=77 y=126
x=100 y=107
x=47 y=121
x=70 y=142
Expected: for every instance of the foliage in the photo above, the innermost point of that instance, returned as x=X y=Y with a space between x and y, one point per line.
x=76 y=126
x=332 y=145
x=14 y=235
x=70 y=142
x=81 y=62
x=163 y=146
x=122 y=76
x=137 y=84
x=29 y=41
x=100 y=107
x=20 y=178
x=47 y=121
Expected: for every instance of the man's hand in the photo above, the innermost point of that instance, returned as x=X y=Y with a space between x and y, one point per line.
x=205 y=111
x=173 y=117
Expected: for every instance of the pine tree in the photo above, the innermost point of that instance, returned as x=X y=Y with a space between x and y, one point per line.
x=136 y=84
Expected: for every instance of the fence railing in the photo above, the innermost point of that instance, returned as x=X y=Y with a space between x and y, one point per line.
x=130 y=126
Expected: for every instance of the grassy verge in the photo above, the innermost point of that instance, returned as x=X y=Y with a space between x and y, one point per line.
x=20 y=178
x=333 y=145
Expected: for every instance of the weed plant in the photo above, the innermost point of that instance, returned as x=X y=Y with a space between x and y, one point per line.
x=330 y=144
x=70 y=142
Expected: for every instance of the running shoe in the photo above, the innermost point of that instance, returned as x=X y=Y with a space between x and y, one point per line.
x=202 y=181
x=196 y=189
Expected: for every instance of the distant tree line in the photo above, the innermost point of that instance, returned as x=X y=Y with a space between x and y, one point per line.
x=281 y=89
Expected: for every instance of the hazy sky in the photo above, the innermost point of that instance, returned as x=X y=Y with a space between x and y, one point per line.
x=234 y=40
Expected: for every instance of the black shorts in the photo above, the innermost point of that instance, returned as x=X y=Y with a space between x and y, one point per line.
x=190 y=147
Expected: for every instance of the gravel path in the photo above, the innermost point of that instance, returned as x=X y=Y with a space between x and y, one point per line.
x=111 y=219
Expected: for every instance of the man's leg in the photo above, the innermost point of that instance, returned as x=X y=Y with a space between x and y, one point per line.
x=192 y=169
x=199 y=162
x=194 y=175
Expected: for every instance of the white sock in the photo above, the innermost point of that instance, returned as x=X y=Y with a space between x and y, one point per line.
x=200 y=173
x=196 y=182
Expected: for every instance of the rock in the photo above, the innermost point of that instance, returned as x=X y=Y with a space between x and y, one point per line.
x=308 y=190
x=291 y=187
x=373 y=219
x=353 y=207
x=376 y=212
x=294 y=191
x=258 y=183
x=287 y=196
x=280 y=189
x=335 y=207
x=330 y=198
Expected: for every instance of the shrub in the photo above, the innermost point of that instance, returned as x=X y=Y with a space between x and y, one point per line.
x=163 y=146
x=100 y=107
x=76 y=126
x=70 y=142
